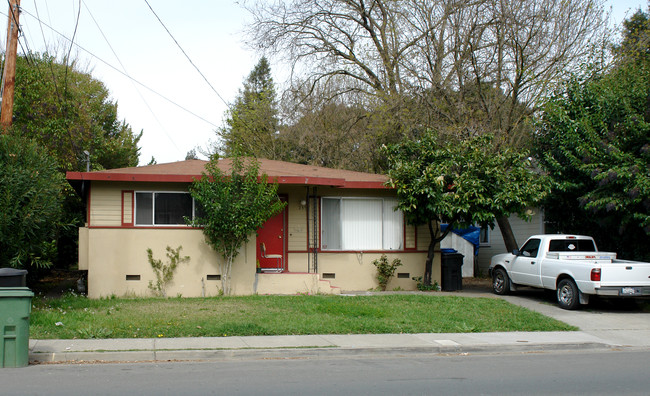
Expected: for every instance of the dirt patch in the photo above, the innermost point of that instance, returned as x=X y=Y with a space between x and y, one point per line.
x=477 y=283
x=57 y=282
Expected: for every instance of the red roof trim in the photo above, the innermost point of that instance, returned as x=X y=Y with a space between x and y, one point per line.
x=170 y=178
x=127 y=177
x=365 y=184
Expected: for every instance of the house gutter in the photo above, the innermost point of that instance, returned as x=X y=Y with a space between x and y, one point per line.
x=82 y=177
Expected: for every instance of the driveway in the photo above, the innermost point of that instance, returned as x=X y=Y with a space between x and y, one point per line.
x=623 y=322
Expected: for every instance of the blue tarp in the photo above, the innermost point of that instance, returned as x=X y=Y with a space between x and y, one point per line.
x=470 y=234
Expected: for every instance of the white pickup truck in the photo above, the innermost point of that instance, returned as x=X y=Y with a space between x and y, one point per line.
x=572 y=266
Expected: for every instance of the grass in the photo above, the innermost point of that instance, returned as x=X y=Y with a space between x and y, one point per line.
x=73 y=316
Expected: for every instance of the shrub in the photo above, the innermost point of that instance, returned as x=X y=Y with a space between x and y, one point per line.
x=385 y=271
x=165 y=271
x=30 y=204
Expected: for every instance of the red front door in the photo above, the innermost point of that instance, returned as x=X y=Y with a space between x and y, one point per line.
x=272 y=234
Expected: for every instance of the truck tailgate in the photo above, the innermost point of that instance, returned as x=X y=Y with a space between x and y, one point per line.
x=625 y=273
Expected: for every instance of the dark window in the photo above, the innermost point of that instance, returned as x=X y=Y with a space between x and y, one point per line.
x=572 y=245
x=172 y=208
x=143 y=208
x=163 y=208
x=531 y=248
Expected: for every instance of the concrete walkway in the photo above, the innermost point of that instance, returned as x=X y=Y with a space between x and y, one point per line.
x=599 y=329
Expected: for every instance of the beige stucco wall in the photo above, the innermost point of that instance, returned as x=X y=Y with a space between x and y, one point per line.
x=355 y=271
x=110 y=252
x=114 y=254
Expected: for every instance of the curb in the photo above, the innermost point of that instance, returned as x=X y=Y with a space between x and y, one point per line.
x=298 y=353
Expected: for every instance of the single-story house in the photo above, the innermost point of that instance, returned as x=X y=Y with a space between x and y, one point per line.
x=335 y=224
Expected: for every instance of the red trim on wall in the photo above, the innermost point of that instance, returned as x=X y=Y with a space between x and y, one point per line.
x=124 y=192
x=88 y=205
x=148 y=227
x=320 y=225
x=415 y=238
x=362 y=251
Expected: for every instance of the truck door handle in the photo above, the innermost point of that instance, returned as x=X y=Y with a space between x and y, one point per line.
x=532 y=263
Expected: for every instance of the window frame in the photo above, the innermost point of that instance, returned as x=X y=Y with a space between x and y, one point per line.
x=527 y=249
x=153 y=208
x=484 y=231
x=341 y=200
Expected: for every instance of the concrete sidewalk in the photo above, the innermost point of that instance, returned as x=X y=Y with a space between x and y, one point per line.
x=306 y=346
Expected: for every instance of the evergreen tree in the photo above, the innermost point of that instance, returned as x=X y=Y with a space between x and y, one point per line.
x=252 y=125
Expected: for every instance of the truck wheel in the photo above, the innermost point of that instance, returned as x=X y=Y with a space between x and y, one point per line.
x=568 y=295
x=500 y=282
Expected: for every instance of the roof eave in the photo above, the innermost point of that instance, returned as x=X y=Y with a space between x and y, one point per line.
x=283 y=180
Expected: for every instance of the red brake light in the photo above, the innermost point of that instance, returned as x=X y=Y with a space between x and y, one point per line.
x=595 y=274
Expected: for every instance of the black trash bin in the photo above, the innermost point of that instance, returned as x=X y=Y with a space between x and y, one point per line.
x=452 y=271
x=12 y=277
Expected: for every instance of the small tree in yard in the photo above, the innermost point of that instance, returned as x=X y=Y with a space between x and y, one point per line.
x=234 y=205
x=461 y=183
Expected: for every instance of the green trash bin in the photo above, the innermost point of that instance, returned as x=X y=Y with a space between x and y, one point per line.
x=15 y=307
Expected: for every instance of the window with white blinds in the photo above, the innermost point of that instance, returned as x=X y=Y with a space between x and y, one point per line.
x=361 y=224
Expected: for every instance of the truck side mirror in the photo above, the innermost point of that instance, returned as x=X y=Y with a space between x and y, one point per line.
x=516 y=252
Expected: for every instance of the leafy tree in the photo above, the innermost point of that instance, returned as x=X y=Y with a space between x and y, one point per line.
x=234 y=204
x=460 y=183
x=636 y=38
x=191 y=155
x=594 y=140
x=252 y=123
x=30 y=203
x=68 y=112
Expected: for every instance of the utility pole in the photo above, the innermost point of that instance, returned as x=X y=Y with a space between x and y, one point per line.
x=9 y=76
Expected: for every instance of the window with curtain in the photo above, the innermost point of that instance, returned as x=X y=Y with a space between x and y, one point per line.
x=361 y=224
x=163 y=208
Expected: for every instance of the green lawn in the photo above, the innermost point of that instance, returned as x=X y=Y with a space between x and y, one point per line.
x=78 y=317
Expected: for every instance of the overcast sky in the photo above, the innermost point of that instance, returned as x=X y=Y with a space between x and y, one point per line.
x=119 y=37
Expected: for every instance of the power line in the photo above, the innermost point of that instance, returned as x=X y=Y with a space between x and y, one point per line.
x=67 y=58
x=56 y=88
x=122 y=73
x=246 y=124
x=184 y=53
x=134 y=86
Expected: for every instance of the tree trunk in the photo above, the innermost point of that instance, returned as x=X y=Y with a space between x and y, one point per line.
x=506 y=232
x=431 y=253
x=428 y=265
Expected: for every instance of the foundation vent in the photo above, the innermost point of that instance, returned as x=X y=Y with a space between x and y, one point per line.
x=329 y=275
x=213 y=277
x=133 y=277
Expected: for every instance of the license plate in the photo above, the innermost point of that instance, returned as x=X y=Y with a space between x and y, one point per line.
x=629 y=291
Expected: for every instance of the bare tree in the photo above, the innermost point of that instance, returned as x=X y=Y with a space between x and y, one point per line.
x=466 y=67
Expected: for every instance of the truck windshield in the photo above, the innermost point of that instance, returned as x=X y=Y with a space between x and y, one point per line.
x=572 y=245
